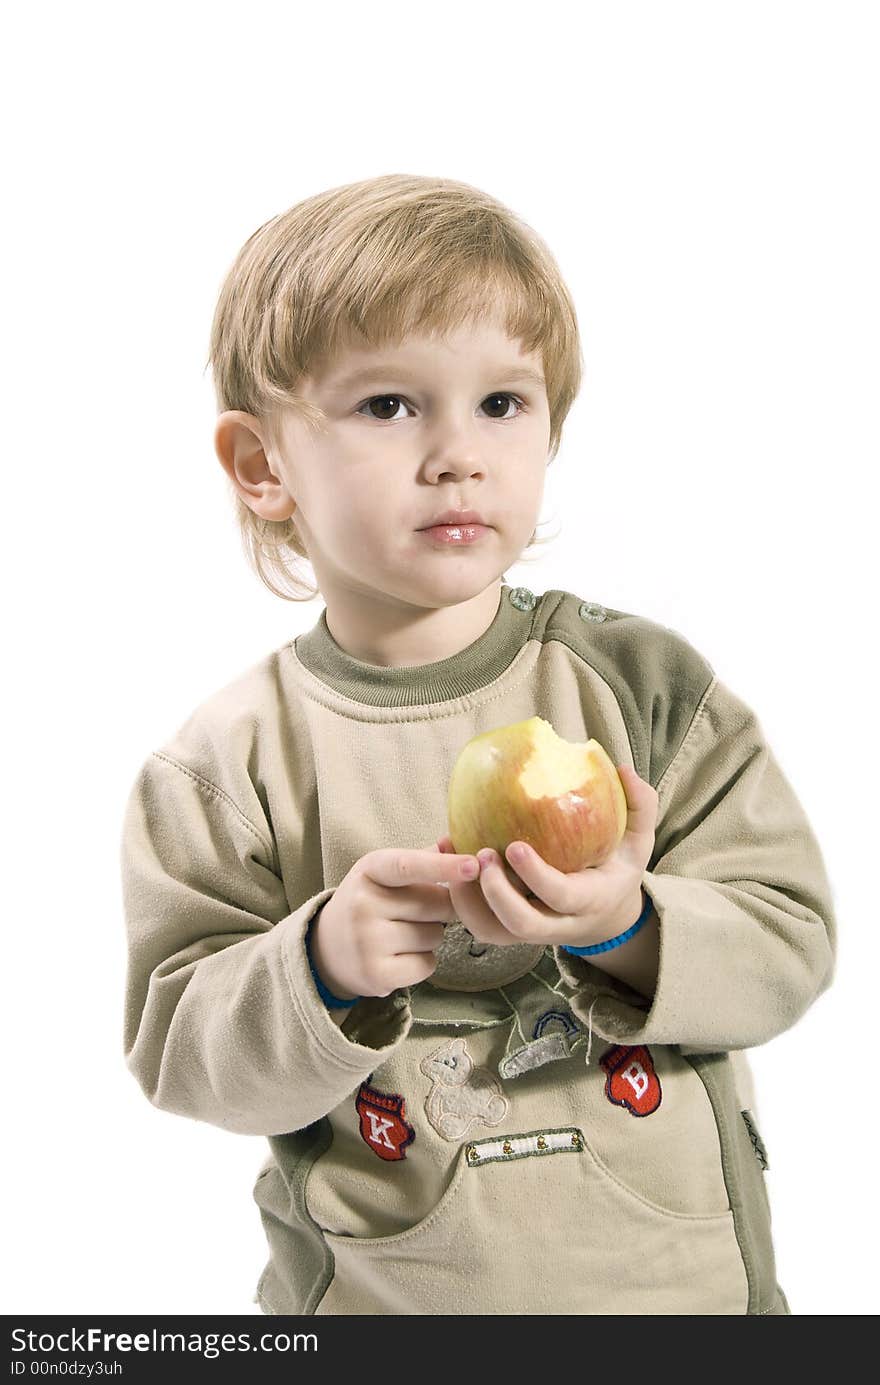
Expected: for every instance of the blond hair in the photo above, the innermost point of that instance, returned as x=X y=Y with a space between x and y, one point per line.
x=384 y=257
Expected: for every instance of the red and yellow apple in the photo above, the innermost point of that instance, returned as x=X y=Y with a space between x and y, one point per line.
x=522 y=782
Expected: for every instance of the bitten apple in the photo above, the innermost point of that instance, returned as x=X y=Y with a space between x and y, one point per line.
x=522 y=782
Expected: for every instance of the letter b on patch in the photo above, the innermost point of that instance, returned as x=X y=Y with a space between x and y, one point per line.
x=631 y=1080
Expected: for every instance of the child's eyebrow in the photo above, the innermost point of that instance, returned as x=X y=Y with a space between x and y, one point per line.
x=384 y=372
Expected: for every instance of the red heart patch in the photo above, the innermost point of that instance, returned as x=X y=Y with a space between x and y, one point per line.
x=631 y=1080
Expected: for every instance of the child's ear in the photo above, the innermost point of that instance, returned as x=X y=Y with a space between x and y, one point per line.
x=241 y=450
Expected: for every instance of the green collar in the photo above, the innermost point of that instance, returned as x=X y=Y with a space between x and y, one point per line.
x=446 y=680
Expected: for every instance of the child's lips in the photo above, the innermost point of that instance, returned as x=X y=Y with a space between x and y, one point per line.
x=454 y=534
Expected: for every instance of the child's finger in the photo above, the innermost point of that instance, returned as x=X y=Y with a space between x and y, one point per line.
x=473 y=911
x=642 y=801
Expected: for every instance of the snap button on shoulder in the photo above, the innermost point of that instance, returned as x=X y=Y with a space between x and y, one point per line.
x=523 y=599
x=591 y=610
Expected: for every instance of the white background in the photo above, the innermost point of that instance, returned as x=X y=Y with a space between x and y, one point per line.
x=706 y=175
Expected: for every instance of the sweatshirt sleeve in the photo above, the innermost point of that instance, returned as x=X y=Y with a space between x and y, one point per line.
x=747 y=927
x=222 y=1019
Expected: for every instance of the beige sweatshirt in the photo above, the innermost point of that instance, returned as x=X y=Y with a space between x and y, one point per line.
x=241 y=825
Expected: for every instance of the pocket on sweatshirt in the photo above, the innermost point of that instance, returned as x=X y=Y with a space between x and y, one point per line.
x=644 y=1113
x=530 y=1223
x=651 y=1127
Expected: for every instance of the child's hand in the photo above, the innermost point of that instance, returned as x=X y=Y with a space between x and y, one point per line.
x=528 y=901
x=379 y=929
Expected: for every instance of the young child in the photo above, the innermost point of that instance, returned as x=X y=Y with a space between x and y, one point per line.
x=495 y=1090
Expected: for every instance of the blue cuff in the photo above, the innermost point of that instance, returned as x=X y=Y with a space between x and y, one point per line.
x=621 y=937
x=328 y=997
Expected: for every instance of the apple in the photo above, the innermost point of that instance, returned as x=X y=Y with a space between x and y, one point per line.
x=522 y=782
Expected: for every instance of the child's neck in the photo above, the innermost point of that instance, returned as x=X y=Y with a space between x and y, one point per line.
x=394 y=634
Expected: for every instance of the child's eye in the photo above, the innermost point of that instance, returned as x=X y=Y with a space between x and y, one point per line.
x=391 y=400
x=511 y=399
x=385 y=400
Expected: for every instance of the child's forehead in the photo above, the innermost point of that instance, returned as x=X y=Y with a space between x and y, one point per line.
x=482 y=345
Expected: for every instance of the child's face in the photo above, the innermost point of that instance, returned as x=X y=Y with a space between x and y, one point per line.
x=438 y=425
